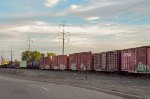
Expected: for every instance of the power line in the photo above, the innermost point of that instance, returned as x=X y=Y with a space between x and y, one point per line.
x=63 y=33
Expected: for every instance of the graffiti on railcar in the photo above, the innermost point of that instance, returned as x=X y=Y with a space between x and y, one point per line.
x=141 y=68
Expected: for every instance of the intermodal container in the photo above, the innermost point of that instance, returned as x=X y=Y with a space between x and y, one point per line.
x=62 y=62
x=54 y=64
x=113 y=61
x=136 y=60
x=73 y=61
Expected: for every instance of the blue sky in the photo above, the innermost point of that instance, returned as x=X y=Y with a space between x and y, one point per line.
x=99 y=25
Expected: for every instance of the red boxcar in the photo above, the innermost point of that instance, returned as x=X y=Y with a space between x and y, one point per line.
x=45 y=63
x=62 y=62
x=85 y=61
x=107 y=61
x=136 y=60
x=54 y=64
x=81 y=61
x=73 y=62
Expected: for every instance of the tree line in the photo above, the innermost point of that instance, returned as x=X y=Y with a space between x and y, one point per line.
x=34 y=55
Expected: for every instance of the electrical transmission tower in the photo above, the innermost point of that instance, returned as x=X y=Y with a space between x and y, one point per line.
x=63 y=33
x=29 y=41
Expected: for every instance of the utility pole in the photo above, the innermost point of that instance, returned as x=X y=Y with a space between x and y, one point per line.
x=29 y=46
x=11 y=56
x=63 y=35
x=2 y=59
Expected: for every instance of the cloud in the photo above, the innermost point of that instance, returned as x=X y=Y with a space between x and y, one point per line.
x=52 y=3
x=108 y=8
x=92 y=18
x=74 y=6
x=93 y=37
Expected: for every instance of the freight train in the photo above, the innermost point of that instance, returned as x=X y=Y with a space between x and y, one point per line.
x=132 y=60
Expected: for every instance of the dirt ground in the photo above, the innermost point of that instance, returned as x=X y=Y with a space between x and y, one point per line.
x=138 y=86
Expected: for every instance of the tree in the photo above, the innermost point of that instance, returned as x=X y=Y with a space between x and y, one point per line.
x=30 y=56
x=50 y=54
x=35 y=55
x=25 y=55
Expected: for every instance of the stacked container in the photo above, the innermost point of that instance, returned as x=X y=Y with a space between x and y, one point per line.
x=136 y=60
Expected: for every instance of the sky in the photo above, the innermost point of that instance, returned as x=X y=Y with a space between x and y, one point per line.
x=94 y=25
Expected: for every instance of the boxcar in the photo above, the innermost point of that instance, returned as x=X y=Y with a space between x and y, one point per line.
x=114 y=61
x=100 y=61
x=54 y=64
x=107 y=61
x=136 y=60
x=45 y=63
x=73 y=62
x=62 y=62
x=86 y=61
x=81 y=61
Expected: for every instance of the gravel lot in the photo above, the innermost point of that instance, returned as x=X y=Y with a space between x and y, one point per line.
x=139 y=86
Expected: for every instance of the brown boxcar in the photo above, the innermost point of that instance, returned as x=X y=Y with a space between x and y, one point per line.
x=114 y=61
x=45 y=63
x=136 y=60
x=104 y=61
x=81 y=61
x=73 y=61
x=97 y=61
x=62 y=62
x=107 y=61
x=85 y=61
x=100 y=63
x=54 y=64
